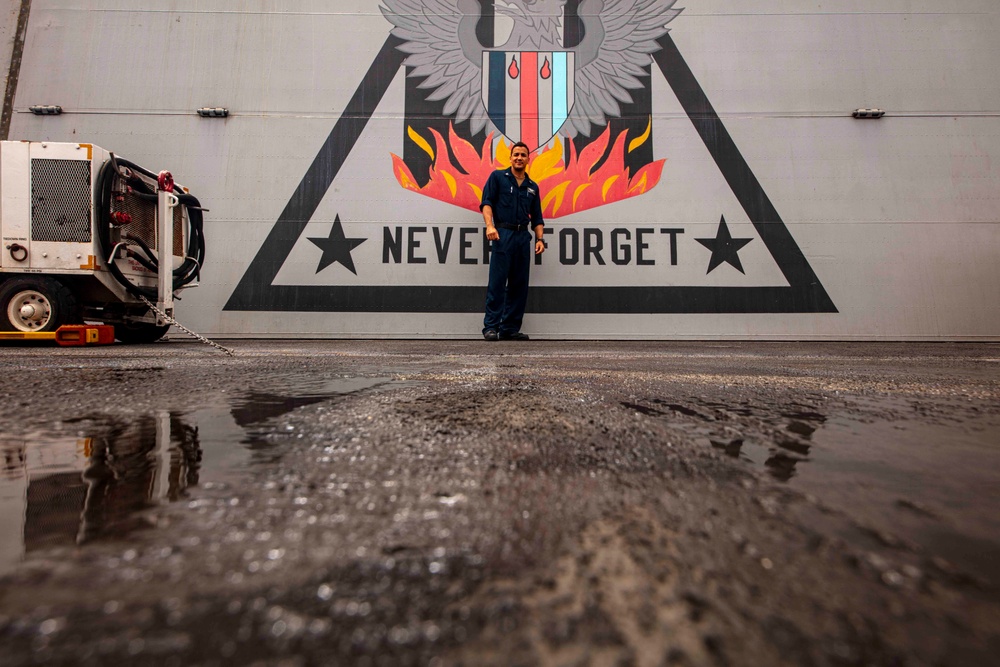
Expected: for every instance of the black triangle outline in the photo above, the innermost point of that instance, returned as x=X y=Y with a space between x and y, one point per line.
x=255 y=291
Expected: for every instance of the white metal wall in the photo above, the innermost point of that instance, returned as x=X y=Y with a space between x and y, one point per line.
x=899 y=218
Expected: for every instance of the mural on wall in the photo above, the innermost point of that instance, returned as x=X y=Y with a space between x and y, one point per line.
x=572 y=78
x=544 y=73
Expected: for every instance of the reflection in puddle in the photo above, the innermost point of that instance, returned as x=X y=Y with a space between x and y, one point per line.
x=259 y=406
x=789 y=442
x=64 y=490
x=785 y=442
x=75 y=482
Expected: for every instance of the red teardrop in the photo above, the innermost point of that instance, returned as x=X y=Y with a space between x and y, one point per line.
x=513 y=70
x=546 y=70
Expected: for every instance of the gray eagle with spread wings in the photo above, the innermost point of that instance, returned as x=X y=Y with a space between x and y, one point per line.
x=441 y=43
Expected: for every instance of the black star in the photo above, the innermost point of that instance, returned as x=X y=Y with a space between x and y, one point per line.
x=337 y=248
x=724 y=248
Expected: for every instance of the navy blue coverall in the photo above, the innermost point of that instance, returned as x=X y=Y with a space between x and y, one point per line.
x=516 y=210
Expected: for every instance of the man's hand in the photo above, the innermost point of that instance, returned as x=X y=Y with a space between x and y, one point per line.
x=491 y=230
x=539 y=247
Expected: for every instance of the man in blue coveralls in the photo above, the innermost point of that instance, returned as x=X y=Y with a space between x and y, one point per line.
x=511 y=204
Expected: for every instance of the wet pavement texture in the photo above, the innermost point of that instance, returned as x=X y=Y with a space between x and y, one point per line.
x=472 y=503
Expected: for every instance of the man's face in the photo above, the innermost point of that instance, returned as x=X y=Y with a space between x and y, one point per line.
x=519 y=157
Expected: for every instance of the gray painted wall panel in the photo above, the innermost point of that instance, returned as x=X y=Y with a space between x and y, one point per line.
x=898 y=218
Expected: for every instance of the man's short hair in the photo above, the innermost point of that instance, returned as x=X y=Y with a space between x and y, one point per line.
x=521 y=144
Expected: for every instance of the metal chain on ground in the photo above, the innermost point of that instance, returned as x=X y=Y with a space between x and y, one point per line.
x=170 y=320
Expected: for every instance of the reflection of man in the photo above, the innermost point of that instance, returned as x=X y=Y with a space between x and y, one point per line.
x=511 y=204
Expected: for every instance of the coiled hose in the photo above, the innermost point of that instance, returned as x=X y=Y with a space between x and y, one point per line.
x=194 y=257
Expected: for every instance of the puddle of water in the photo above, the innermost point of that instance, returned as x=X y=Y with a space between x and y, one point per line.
x=931 y=481
x=69 y=483
x=933 y=485
x=291 y=393
x=75 y=482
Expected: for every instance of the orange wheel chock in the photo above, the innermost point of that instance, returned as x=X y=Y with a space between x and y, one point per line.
x=71 y=335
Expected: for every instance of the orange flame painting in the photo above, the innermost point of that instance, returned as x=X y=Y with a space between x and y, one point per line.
x=567 y=186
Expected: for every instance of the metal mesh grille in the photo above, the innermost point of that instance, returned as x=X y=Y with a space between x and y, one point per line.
x=143 y=214
x=60 y=200
x=179 y=231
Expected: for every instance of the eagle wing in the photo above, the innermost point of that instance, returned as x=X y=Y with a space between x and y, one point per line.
x=439 y=38
x=619 y=36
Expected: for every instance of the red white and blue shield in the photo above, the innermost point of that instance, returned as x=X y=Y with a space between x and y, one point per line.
x=528 y=94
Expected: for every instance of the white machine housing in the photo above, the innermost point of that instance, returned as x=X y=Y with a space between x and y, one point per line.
x=49 y=220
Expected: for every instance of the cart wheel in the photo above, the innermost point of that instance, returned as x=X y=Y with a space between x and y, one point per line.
x=36 y=303
x=137 y=333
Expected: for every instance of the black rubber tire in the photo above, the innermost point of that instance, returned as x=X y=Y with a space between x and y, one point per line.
x=54 y=303
x=140 y=333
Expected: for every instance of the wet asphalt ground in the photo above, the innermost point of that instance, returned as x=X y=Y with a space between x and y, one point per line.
x=472 y=503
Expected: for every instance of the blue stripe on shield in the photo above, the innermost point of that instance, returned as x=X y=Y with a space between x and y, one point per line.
x=560 y=98
x=498 y=90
